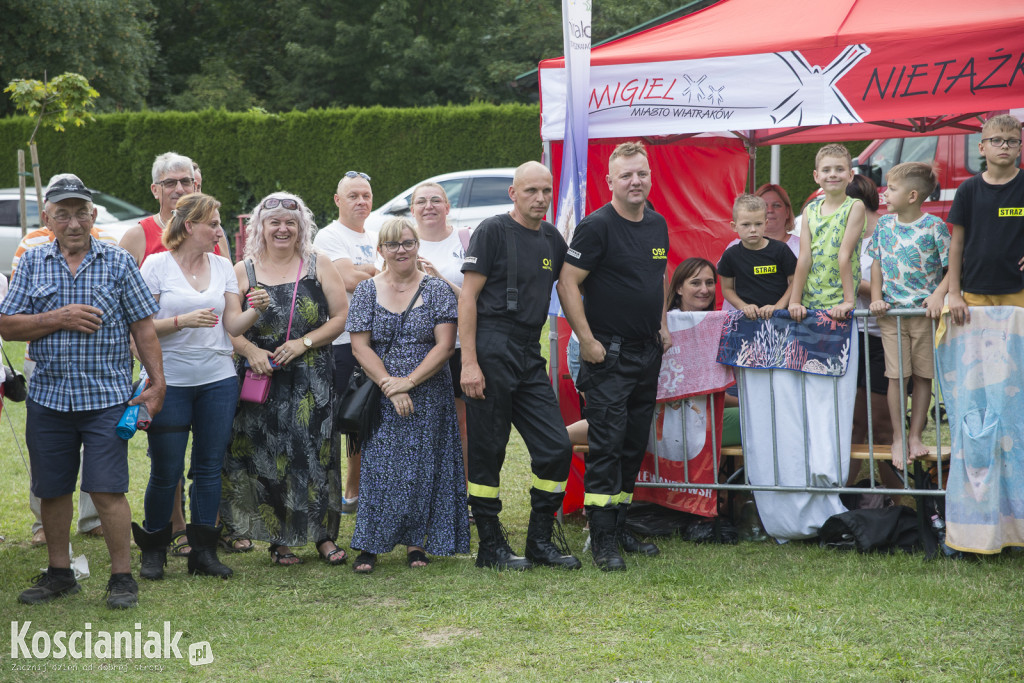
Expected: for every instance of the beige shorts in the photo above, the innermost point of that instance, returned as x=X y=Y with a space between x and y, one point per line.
x=918 y=347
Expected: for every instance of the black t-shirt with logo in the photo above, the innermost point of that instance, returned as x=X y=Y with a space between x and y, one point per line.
x=539 y=257
x=992 y=217
x=762 y=275
x=626 y=261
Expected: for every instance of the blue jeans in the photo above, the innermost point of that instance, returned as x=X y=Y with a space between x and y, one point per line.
x=208 y=411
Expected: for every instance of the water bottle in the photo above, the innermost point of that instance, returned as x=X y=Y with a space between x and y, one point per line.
x=129 y=421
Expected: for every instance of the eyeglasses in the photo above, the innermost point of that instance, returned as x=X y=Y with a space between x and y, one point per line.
x=408 y=245
x=357 y=174
x=63 y=218
x=171 y=183
x=1012 y=143
x=422 y=201
x=285 y=203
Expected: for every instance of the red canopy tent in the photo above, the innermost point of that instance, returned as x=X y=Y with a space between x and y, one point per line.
x=744 y=73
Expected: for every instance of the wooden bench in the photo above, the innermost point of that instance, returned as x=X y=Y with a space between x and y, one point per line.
x=858 y=451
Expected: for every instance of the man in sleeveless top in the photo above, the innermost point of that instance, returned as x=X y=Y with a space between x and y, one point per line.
x=174 y=176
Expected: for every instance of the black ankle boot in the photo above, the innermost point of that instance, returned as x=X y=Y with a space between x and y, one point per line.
x=203 y=558
x=627 y=541
x=539 y=547
x=494 y=549
x=153 y=545
x=603 y=542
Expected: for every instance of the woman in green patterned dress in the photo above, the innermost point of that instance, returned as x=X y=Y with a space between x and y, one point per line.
x=282 y=483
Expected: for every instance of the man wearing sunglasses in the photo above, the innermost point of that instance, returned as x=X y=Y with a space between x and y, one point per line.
x=174 y=176
x=353 y=249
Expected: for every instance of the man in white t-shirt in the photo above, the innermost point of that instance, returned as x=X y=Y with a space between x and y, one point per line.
x=353 y=250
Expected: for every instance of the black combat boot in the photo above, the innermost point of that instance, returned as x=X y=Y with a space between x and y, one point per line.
x=203 y=558
x=153 y=545
x=627 y=541
x=494 y=549
x=603 y=542
x=539 y=547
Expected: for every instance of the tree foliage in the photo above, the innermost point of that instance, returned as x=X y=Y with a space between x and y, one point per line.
x=109 y=42
x=68 y=98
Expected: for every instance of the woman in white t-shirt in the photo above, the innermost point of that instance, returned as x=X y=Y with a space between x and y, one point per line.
x=199 y=307
x=441 y=255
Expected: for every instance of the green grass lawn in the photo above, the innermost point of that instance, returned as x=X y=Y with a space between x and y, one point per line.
x=757 y=612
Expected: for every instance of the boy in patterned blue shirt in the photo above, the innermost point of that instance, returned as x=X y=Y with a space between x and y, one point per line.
x=910 y=249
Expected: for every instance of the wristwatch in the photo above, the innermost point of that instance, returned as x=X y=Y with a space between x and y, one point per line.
x=307 y=342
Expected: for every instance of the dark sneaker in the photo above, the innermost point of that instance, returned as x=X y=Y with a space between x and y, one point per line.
x=47 y=588
x=122 y=592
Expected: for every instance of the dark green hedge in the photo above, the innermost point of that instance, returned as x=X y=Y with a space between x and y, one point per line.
x=245 y=156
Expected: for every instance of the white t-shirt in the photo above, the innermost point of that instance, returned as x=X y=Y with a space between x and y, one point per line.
x=193 y=355
x=447 y=256
x=336 y=241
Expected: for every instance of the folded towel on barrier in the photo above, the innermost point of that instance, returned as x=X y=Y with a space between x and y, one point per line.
x=690 y=368
x=686 y=443
x=981 y=371
x=812 y=407
x=818 y=345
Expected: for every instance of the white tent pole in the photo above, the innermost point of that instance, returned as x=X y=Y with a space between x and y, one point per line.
x=773 y=176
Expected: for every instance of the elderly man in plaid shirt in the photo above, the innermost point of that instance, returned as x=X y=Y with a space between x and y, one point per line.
x=76 y=300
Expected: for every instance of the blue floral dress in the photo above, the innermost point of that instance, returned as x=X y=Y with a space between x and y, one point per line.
x=412 y=488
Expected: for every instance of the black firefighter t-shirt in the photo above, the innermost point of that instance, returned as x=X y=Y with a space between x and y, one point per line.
x=624 y=290
x=539 y=257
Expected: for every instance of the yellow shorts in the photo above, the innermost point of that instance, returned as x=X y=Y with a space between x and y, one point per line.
x=1016 y=299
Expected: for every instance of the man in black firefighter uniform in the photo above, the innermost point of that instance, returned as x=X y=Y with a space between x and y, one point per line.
x=620 y=252
x=511 y=263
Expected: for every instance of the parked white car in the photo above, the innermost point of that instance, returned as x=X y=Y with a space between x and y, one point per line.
x=113 y=215
x=474 y=196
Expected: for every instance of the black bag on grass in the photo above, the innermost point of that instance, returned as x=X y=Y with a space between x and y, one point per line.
x=883 y=530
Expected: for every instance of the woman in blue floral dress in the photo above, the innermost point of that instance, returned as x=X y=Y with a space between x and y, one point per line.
x=413 y=487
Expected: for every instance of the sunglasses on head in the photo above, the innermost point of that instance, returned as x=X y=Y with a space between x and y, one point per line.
x=357 y=174
x=285 y=203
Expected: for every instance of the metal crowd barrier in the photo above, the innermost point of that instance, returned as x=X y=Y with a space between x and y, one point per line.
x=920 y=469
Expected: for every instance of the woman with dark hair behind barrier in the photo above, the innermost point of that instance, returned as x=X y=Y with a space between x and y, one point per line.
x=864 y=189
x=199 y=307
x=282 y=481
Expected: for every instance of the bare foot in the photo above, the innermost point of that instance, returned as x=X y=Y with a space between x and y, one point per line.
x=897 y=454
x=917 y=448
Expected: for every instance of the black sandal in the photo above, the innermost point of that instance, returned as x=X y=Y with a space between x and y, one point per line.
x=179 y=544
x=417 y=556
x=365 y=558
x=330 y=558
x=283 y=559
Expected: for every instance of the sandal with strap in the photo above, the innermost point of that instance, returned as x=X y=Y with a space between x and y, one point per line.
x=179 y=544
x=283 y=559
x=331 y=557
x=229 y=543
x=365 y=559
x=417 y=556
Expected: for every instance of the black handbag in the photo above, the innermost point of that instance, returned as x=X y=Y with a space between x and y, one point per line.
x=15 y=384
x=357 y=409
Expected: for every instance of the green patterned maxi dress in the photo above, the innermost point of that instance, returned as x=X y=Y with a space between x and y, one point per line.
x=281 y=481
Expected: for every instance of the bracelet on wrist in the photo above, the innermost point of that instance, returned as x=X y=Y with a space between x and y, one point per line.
x=176 y=328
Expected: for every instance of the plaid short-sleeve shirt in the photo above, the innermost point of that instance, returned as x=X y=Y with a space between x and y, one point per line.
x=77 y=371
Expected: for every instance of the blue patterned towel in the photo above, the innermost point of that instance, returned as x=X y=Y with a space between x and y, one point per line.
x=819 y=345
x=983 y=388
